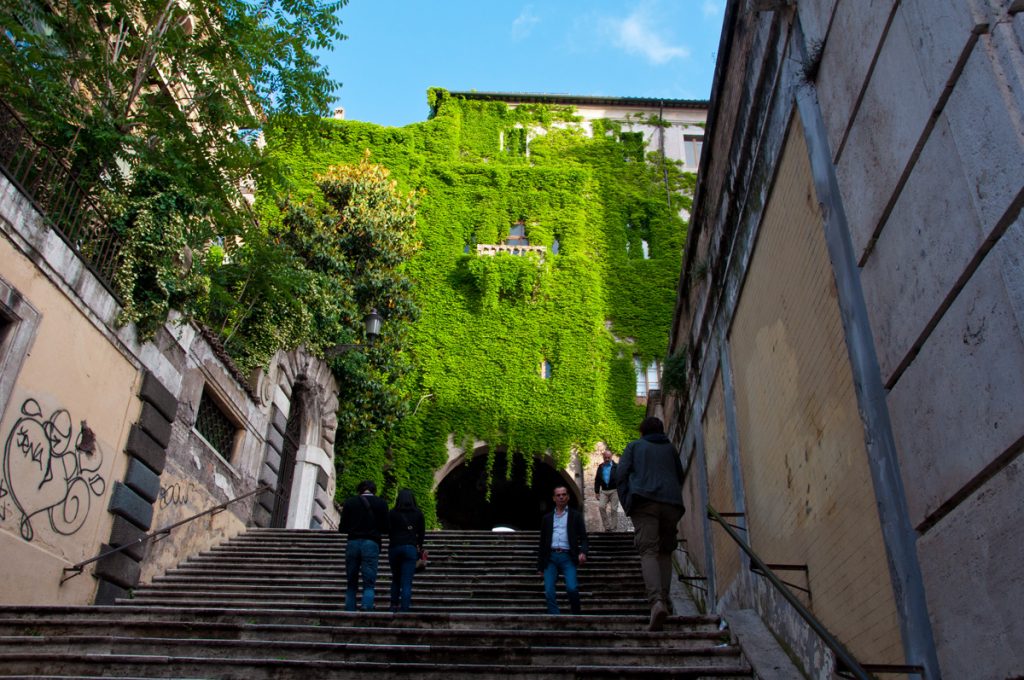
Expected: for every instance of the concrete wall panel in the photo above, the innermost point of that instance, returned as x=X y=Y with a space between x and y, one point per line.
x=889 y=123
x=960 y=404
x=930 y=237
x=852 y=42
x=992 y=154
x=941 y=30
x=971 y=563
x=815 y=18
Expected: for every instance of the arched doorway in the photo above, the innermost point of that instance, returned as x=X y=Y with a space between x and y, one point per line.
x=461 y=495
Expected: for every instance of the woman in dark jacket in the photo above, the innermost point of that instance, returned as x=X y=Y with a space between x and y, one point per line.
x=405 y=540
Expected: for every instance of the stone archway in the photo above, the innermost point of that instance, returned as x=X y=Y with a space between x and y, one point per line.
x=462 y=488
x=301 y=394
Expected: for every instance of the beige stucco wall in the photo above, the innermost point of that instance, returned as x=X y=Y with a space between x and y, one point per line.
x=808 y=486
x=71 y=374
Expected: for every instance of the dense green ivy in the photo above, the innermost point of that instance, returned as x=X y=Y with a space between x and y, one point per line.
x=488 y=323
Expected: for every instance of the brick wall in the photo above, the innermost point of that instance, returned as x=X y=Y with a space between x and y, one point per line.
x=808 y=487
x=720 y=488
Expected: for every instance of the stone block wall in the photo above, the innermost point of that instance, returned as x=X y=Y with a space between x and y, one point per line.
x=872 y=305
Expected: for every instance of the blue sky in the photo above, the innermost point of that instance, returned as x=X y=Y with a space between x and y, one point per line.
x=620 y=48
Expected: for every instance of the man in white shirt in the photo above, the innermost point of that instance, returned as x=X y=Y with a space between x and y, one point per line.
x=563 y=547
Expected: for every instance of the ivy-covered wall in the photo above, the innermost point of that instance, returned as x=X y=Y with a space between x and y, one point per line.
x=487 y=324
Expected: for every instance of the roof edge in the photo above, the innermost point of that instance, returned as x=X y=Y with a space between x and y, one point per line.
x=568 y=99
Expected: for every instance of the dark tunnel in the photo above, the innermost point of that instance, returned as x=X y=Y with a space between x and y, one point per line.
x=461 y=495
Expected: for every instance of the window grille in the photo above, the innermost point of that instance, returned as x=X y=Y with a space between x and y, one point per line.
x=215 y=427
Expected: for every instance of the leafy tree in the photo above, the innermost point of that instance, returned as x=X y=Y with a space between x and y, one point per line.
x=157 y=104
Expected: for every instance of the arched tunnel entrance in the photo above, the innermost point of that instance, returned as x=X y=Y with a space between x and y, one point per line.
x=461 y=502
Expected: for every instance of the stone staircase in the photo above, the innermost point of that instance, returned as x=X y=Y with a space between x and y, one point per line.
x=268 y=604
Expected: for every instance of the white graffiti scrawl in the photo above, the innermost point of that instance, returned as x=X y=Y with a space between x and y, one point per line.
x=43 y=473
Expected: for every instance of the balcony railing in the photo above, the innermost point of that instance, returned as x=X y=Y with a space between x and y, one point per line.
x=45 y=177
x=489 y=249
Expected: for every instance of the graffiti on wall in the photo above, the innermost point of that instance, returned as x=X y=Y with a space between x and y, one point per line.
x=178 y=493
x=48 y=471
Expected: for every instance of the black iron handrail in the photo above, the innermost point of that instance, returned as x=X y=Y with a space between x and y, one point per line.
x=76 y=569
x=45 y=177
x=848 y=665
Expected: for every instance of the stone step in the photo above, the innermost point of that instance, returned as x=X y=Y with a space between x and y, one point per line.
x=192 y=589
x=396 y=631
x=526 y=654
x=429 y=578
x=22 y=664
x=130 y=613
x=534 y=606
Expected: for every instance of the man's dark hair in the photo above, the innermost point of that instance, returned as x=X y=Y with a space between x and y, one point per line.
x=651 y=425
x=366 y=485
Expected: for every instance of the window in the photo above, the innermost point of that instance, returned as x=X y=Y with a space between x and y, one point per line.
x=691 y=150
x=647 y=376
x=19 y=321
x=555 y=246
x=514 y=142
x=215 y=427
x=545 y=369
x=633 y=143
x=517 y=235
x=645 y=248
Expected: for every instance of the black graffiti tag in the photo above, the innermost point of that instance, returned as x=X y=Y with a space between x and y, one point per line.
x=176 y=494
x=44 y=473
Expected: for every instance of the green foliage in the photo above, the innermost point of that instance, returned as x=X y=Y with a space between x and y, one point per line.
x=157 y=105
x=488 y=323
x=674 y=371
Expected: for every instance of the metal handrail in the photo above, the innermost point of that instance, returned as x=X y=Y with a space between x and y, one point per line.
x=76 y=569
x=848 y=664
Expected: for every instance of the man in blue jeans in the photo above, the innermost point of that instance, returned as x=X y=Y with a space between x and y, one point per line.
x=364 y=517
x=563 y=547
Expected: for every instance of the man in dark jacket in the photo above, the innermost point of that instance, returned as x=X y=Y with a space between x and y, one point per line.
x=604 y=489
x=563 y=547
x=650 y=479
x=364 y=517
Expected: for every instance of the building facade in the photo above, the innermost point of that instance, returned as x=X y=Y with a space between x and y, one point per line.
x=851 y=310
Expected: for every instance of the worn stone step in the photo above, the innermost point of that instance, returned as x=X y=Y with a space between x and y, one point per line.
x=536 y=606
x=429 y=578
x=333 y=591
x=532 y=653
x=396 y=632
x=129 y=613
x=165 y=666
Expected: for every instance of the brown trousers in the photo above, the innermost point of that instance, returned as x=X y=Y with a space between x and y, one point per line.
x=656 y=527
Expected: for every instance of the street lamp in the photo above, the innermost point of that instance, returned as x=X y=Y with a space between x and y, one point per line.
x=371 y=323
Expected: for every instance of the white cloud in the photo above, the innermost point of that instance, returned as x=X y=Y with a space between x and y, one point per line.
x=636 y=34
x=524 y=23
x=712 y=8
